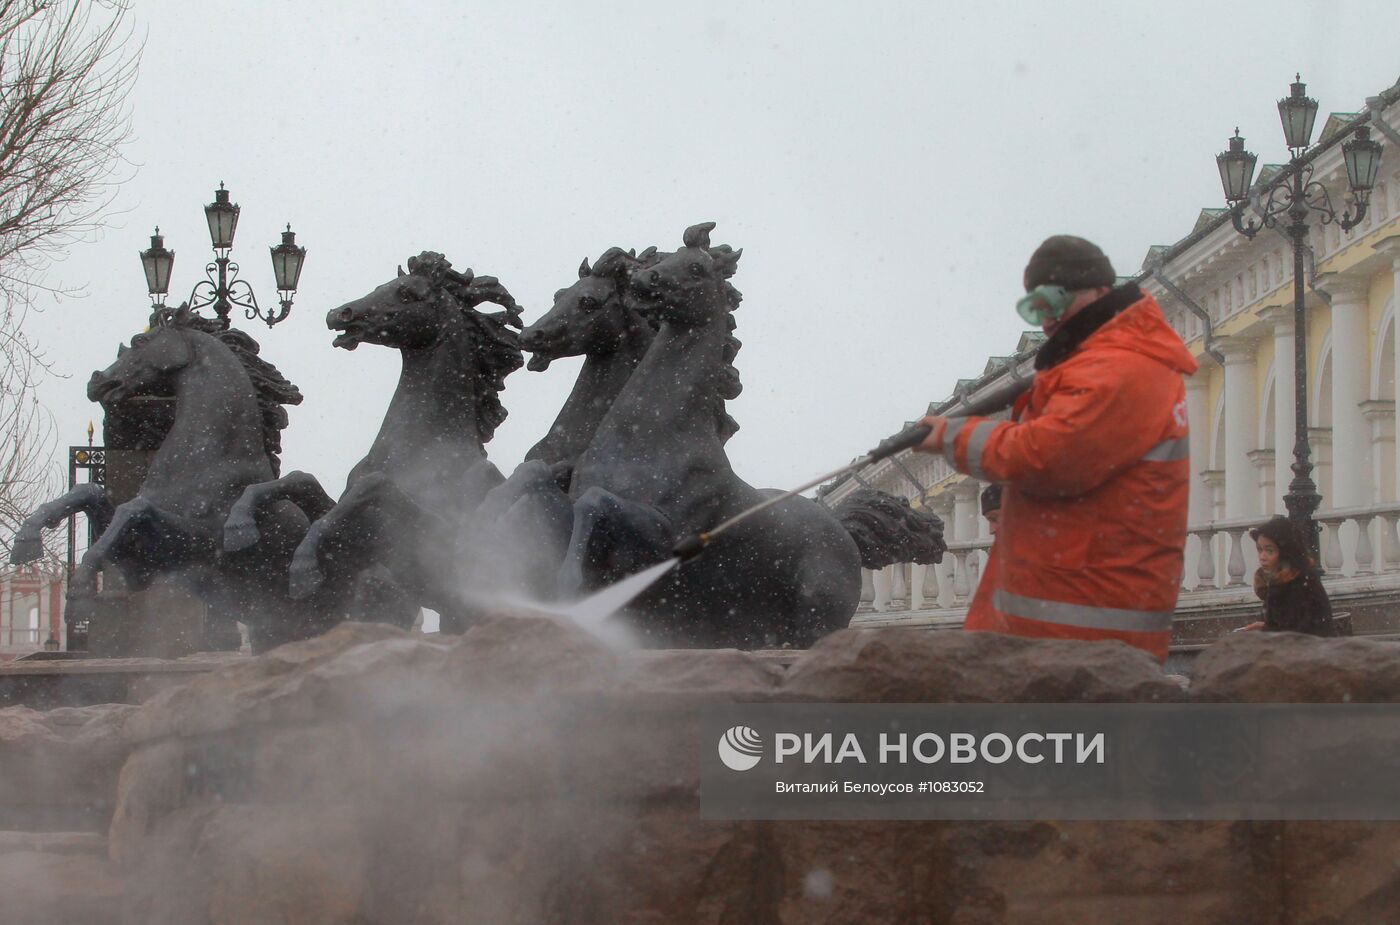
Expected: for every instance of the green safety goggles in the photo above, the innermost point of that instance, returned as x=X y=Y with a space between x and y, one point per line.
x=1044 y=303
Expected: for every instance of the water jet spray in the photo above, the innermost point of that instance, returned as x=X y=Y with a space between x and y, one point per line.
x=592 y=611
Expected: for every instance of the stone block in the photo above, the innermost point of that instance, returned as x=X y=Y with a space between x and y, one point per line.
x=900 y=665
x=1294 y=668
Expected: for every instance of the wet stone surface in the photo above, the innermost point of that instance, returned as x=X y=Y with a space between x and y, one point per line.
x=524 y=773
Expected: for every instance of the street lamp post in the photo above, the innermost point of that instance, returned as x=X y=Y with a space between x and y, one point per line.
x=222 y=288
x=1290 y=196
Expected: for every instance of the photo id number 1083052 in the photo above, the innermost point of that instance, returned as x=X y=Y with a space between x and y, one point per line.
x=951 y=786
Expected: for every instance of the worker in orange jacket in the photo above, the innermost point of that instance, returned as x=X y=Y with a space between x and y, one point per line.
x=1094 y=463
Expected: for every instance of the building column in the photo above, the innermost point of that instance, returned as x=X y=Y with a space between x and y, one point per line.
x=1198 y=424
x=1320 y=440
x=1380 y=416
x=1263 y=463
x=1285 y=427
x=1390 y=247
x=1214 y=480
x=6 y=608
x=942 y=505
x=966 y=514
x=1351 y=457
x=1241 y=428
x=965 y=511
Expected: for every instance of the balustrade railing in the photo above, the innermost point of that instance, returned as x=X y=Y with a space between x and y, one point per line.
x=1354 y=542
x=1220 y=556
x=947 y=585
x=18 y=636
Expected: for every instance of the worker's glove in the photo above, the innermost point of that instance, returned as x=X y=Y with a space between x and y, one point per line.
x=933 y=443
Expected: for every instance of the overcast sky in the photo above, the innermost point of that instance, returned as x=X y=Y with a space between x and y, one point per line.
x=886 y=167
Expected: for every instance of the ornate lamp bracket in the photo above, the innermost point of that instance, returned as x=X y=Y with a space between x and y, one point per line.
x=1248 y=229
x=222 y=289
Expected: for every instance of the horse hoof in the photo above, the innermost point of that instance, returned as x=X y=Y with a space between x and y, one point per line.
x=25 y=550
x=240 y=535
x=304 y=580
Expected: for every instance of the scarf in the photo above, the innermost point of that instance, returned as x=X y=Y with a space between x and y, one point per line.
x=1263 y=580
x=1058 y=346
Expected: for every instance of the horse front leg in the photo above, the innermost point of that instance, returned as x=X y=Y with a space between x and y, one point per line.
x=90 y=499
x=612 y=538
x=241 y=530
x=374 y=521
x=517 y=537
x=141 y=540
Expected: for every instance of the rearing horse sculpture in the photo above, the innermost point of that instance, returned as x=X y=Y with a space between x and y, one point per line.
x=521 y=529
x=407 y=502
x=524 y=525
x=656 y=472
x=228 y=417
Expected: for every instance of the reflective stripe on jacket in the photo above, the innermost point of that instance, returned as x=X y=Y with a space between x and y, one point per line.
x=1096 y=478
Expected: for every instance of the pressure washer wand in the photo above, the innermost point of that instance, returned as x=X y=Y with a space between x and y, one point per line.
x=910 y=437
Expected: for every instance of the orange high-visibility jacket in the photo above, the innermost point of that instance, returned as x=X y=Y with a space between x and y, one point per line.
x=1096 y=477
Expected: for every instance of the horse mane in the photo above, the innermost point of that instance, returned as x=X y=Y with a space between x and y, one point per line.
x=619 y=265
x=496 y=349
x=273 y=389
x=727 y=383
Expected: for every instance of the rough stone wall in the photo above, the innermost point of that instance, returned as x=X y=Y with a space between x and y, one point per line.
x=524 y=774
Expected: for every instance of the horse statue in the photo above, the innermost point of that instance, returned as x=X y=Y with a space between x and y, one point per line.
x=526 y=522
x=406 y=504
x=522 y=527
x=655 y=472
x=225 y=436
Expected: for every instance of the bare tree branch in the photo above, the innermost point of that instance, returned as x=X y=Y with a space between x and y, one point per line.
x=29 y=473
x=66 y=70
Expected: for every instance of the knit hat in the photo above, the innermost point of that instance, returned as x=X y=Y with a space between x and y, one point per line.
x=991 y=498
x=1065 y=260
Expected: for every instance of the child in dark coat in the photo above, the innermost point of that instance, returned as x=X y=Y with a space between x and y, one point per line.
x=1289 y=583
